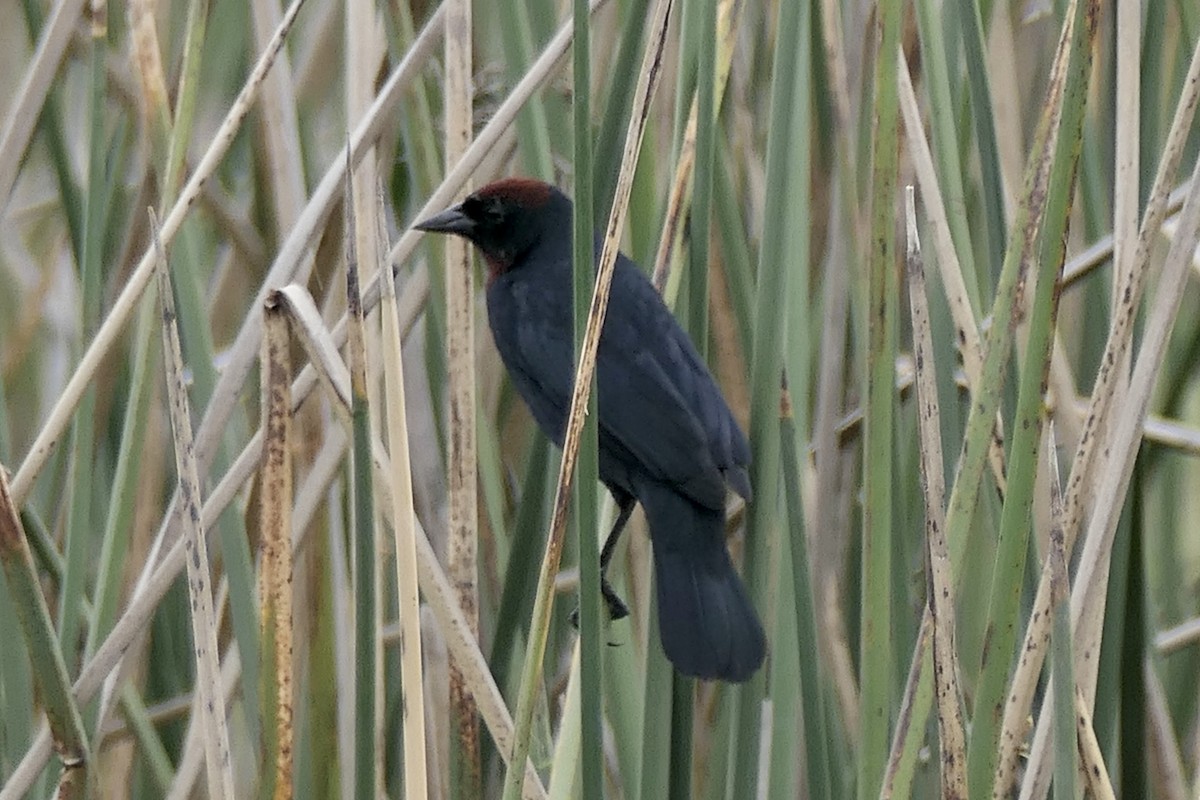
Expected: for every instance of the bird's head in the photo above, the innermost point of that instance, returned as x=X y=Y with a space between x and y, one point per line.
x=506 y=219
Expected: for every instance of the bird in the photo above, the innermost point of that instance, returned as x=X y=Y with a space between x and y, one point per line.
x=667 y=439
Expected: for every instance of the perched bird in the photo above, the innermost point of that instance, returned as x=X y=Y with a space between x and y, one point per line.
x=666 y=436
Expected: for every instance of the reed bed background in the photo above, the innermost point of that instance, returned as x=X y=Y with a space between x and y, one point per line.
x=942 y=258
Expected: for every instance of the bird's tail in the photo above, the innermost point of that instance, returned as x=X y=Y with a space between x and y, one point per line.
x=708 y=624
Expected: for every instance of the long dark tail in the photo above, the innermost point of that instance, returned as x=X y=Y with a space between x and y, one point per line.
x=708 y=623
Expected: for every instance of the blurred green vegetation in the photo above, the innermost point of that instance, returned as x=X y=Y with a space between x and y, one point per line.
x=785 y=255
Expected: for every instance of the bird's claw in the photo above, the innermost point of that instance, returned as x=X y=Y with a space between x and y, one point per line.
x=617 y=609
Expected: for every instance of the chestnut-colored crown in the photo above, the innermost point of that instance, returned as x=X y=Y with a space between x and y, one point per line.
x=526 y=192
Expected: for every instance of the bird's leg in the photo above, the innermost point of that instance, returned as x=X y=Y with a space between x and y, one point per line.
x=616 y=607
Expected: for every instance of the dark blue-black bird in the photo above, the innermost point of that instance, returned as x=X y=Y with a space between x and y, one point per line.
x=667 y=439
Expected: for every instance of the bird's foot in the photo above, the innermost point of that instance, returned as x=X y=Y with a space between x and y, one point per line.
x=616 y=606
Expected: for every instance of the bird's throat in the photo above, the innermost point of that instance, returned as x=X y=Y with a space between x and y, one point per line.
x=496 y=265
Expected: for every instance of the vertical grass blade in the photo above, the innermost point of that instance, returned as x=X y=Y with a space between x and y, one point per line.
x=564 y=775
x=812 y=674
x=971 y=22
x=940 y=603
x=96 y=213
x=615 y=117
x=22 y=116
x=204 y=624
x=655 y=766
x=412 y=695
x=363 y=513
x=591 y=675
x=236 y=558
x=462 y=461
x=701 y=19
x=702 y=183
x=875 y=640
x=679 y=772
x=49 y=670
x=944 y=137
x=956 y=273
x=276 y=527
x=1065 y=734
x=766 y=369
x=50 y=125
x=532 y=124
x=671 y=236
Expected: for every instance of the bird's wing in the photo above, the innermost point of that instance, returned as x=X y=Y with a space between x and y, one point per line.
x=658 y=399
x=655 y=434
x=661 y=415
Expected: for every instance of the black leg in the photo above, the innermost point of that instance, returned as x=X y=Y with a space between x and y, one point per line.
x=625 y=502
x=616 y=607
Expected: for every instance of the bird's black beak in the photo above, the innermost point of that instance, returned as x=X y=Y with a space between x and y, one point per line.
x=452 y=220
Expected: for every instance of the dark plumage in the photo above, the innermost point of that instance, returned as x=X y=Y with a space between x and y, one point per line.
x=666 y=436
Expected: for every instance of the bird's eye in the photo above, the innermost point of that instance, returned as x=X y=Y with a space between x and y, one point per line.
x=493 y=212
x=487 y=212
